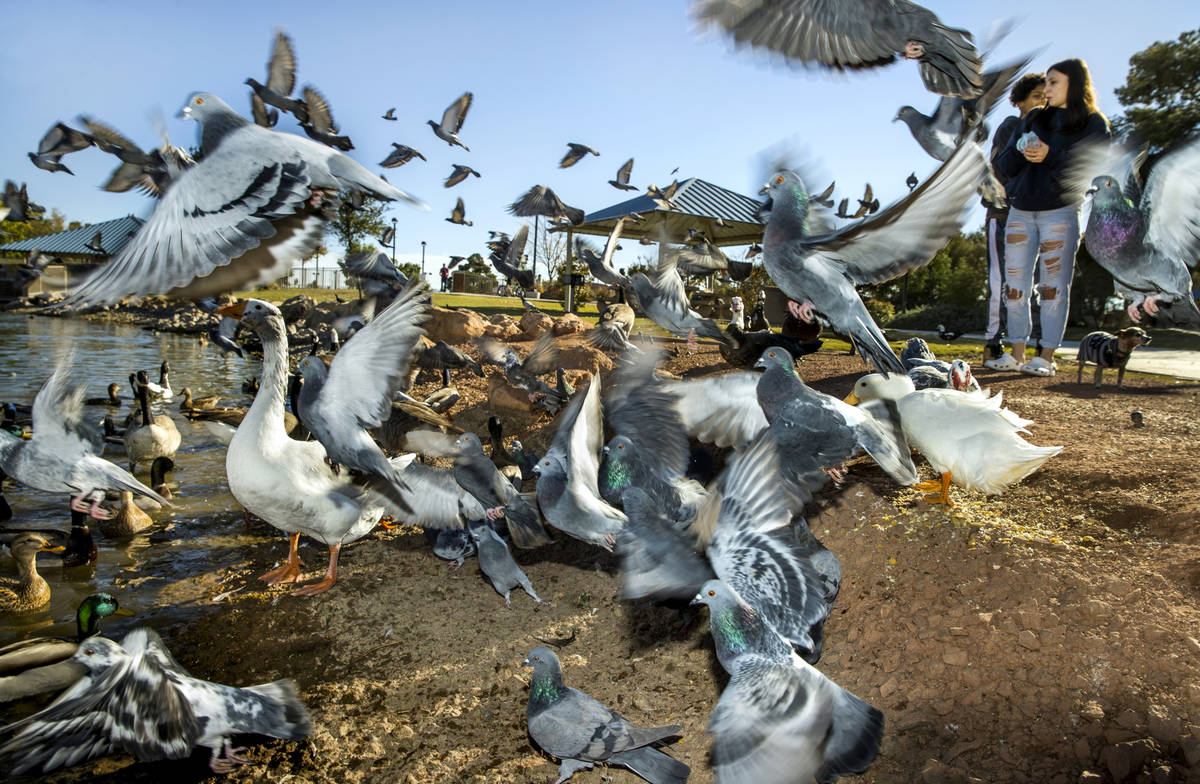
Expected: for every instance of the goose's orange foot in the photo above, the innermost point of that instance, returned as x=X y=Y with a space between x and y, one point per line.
x=933 y=485
x=942 y=494
x=387 y=523
x=321 y=586
x=290 y=571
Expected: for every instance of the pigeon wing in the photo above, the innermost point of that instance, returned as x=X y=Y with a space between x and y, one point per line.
x=58 y=415
x=281 y=70
x=320 y=117
x=456 y=113
x=1172 y=202
x=544 y=356
x=721 y=410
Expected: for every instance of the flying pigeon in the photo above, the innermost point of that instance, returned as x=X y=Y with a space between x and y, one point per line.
x=540 y=200
x=853 y=34
x=15 y=205
x=868 y=204
x=779 y=719
x=151 y=172
x=601 y=266
x=575 y=153
x=388 y=236
x=458 y=214
x=320 y=126
x=258 y=111
x=823 y=198
x=60 y=140
x=910 y=181
x=281 y=79
x=821 y=271
x=95 y=243
x=612 y=330
x=444 y=357
x=223 y=334
x=138 y=699
x=582 y=733
x=523 y=374
x=496 y=562
x=664 y=301
x=459 y=174
x=479 y=476
x=390 y=114
x=1149 y=238
x=623 y=173
x=662 y=196
x=452 y=121
x=507 y=262
x=206 y=235
x=400 y=156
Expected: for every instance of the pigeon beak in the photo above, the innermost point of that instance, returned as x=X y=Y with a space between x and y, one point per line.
x=233 y=311
x=185 y=113
x=763 y=190
x=526 y=663
x=852 y=399
x=695 y=600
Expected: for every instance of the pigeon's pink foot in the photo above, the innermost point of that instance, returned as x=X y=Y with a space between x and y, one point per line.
x=806 y=312
x=98 y=511
x=1134 y=316
x=914 y=50
x=494 y=514
x=1150 y=304
x=78 y=504
x=692 y=345
x=837 y=474
x=225 y=759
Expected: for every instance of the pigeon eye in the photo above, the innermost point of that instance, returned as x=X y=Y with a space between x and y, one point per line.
x=779 y=179
x=537 y=658
x=547 y=462
x=712 y=593
x=89 y=651
x=199 y=101
x=620 y=446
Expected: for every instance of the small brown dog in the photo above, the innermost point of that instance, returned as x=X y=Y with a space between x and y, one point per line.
x=1106 y=350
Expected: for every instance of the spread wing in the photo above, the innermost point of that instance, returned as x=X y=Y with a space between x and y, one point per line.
x=721 y=410
x=544 y=356
x=1172 y=200
x=281 y=70
x=456 y=113
x=58 y=415
x=320 y=116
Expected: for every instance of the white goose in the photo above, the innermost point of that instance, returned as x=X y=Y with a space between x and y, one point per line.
x=291 y=484
x=968 y=438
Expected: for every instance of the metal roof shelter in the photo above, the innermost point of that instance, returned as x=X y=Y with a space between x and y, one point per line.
x=700 y=205
x=72 y=243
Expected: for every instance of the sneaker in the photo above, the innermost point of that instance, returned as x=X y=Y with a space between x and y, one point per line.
x=1004 y=362
x=1038 y=367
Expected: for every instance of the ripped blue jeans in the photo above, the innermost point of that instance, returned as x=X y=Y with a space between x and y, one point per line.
x=1050 y=238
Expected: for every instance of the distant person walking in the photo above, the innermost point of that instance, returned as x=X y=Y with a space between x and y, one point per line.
x=1027 y=94
x=445 y=274
x=1043 y=219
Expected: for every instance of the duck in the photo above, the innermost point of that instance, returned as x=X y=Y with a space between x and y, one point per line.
x=30 y=590
x=151 y=436
x=188 y=403
x=222 y=421
x=292 y=484
x=81 y=547
x=969 y=438
x=111 y=400
x=164 y=382
x=37 y=665
x=158 y=392
x=127 y=519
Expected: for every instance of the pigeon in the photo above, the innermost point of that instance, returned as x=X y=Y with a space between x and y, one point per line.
x=151 y=172
x=540 y=200
x=454 y=261
x=779 y=719
x=375 y=266
x=452 y=121
x=34 y=265
x=911 y=180
x=523 y=374
x=664 y=301
x=601 y=267
x=567 y=490
x=948 y=335
x=388 y=236
x=842 y=211
x=823 y=198
x=320 y=126
x=458 y=214
x=1149 y=238
x=459 y=174
x=659 y=559
x=743 y=349
x=702 y=258
x=868 y=204
x=95 y=243
x=497 y=563
x=60 y=140
x=623 y=173
x=1138 y=418
x=15 y=206
x=854 y=34
x=720 y=410
x=138 y=699
x=339 y=403
x=508 y=262
x=400 y=156
x=281 y=79
x=575 y=153
x=476 y=474
x=582 y=733
x=206 y=235
x=611 y=332
x=390 y=114
x=61 y=456
x=455 y=545
x=259 y=112
x=662 y=196
x=821 y=271
x=444 y=357
x=927 y=371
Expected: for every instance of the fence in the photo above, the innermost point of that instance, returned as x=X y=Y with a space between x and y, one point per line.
x=319 y=278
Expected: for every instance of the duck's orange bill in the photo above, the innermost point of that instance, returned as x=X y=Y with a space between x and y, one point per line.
x=852 y=399
x=233 y=311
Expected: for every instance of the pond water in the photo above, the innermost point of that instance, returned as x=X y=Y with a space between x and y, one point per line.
x=169 y=572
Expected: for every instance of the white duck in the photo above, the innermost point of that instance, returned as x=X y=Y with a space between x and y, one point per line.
x=292 y=484
x=150 y=436
x=968 y=438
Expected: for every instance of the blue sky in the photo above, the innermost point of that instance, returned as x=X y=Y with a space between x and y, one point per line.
x=629 y=78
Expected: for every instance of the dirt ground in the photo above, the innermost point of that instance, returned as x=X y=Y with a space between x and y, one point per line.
x=1047 y=635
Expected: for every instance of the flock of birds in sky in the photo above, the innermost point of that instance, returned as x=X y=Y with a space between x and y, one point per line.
x=700 y=485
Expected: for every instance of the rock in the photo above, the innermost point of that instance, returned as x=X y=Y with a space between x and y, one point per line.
x=503 y=326
x=580 y=355
x=534 y=323
x=1029 y=639
x=1092 y=711
x=955 y=657
x=297 y=308
x=1192 y=643
x=1161 y=775
x=456 y=327
x=569 y=324
x=889 y=686
x=1191 y=751
x=320 y=315
x=1156 y=634
x=1128 y=719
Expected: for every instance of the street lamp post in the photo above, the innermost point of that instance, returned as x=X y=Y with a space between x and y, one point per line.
x=393 y=242
x=422 y=259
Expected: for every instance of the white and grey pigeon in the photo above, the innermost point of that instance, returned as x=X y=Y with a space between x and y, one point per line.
x=567 y=488
x=62 y=455
x=582 y=733
x=452 y=121
x=822 y=270
x=138 y=699
x=497 y=564
x=852 y=35
x=721 y=410
x=779 y=719
x=340 y=403
x=240 y=216
x=454 y=545
x=927 y=371
x=477 y=474
x=1149 y=239
x=664 y=301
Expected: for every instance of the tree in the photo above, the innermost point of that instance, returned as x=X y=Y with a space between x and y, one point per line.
x=1161 y=94
x=357 y=229
x=956 y=276
x=552 y=251
x=16 y=231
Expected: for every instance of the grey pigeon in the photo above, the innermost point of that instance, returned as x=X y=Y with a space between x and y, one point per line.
x=702 y=258
x=497 y=563
x=523 y=374
x=479 y=476
x=1148 y=239
x=34 y=265
x=60 y=140
x=281 y=79
x=452 y=121
x=664 y=301
x=601 y=267
x=824 y=197
x=151 y=172
x=575 y=153
x=388 y=236
x=662 y=196
x=854 y=34
x=567 y=489
x=355 y=393
x=459 y=215
x=375 y=266
x=540 y=200
x=623 y=174
x=743 y=348
x=822 y=271
x=459 y=174
x=659 y=559
x=434 y=495
x=136 y=698
x=506 y=258
x=444 y=357
x=260 y=114
x=455 y=545
x=15 y=205
x=816 y=431
x=390 y=114
x=95 y=243
x=779 y=719
x=223 y=334
x=320 y=126
x=400 y=156
x=582 y=733
x=842 y=211
x=612 y=330
x=719 y=409
x=206 y=235
x=61 y=457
